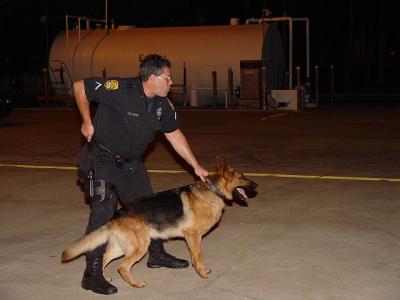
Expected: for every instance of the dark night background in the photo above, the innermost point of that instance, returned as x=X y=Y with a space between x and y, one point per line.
x=361 y=40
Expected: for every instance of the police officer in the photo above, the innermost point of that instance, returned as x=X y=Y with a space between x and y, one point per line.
x=130 y=113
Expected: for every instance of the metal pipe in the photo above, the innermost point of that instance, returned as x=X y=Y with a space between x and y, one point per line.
x=332 y=82
x=45 y=86
x=95 y=20
x=290 y=54
x=106 y=15
x=316 y=85
x=214 y=88
x=88 y=20
x=79 y=42
x=67 y=38
x=262 y=20
x=264 y=88
x=228 y=105
x=298 y=87
x=307 y=20
x=184 y=84
x=308 y=46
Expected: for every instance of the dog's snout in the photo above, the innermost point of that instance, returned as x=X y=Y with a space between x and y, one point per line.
x=253 y=185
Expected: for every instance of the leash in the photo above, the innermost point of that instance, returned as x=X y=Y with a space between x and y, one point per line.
x=213 y=188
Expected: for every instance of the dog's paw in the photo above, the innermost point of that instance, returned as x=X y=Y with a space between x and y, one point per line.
x=138 y=283
x=204 y=273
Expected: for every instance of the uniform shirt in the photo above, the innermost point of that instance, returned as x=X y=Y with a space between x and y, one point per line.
x=126 y=121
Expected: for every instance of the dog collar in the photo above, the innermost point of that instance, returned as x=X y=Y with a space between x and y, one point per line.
x=213 y=188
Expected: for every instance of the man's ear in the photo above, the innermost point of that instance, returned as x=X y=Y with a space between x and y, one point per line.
x=152 y=77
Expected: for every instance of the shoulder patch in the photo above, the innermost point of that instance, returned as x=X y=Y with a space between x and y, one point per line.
x=170 y=104
x=111 y=85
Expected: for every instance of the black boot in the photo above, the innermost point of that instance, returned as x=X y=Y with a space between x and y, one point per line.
x=159 y=258
x=93 y=278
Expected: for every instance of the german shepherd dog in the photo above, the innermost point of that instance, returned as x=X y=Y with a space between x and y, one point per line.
x=188 y=212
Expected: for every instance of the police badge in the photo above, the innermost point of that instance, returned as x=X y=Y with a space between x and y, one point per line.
x=159 y=113
x=111 y=85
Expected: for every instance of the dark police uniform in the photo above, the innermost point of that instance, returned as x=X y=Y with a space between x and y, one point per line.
x=125 y=123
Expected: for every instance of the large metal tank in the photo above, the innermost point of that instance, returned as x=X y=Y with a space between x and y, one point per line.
x=203 y=49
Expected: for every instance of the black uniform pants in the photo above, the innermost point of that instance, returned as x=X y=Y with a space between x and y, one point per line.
x=130 y=182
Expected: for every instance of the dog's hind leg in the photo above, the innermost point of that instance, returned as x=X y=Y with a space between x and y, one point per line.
x=133 y=237
x=193 y=240
x=113 y=251
x=127 y=263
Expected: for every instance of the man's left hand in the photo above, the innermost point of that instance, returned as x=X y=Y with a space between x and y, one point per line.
x=201 y=172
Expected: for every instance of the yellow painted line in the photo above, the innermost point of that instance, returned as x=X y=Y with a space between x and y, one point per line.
x=323 y=177
x=247 y=174
x=38 y=167
x=167 y=171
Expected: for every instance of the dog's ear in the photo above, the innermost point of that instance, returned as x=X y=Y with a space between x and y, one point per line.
x=221 y=164
x=224 y=169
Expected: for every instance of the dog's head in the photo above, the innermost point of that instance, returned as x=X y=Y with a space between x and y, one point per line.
x=234 y=185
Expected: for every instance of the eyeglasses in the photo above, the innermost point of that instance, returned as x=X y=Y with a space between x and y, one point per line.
x=168 y=78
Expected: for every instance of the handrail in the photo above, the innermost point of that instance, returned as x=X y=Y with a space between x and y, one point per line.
x=64 y=66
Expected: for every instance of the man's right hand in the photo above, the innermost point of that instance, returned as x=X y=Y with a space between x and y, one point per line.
x=87 y=131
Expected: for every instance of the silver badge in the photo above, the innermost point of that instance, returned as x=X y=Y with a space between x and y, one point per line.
x=159 y=113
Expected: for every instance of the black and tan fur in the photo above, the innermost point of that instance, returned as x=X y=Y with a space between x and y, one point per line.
x=188 y=212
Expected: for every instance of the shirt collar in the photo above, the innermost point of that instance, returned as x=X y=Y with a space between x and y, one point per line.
x=149 y=102
x=139 y=84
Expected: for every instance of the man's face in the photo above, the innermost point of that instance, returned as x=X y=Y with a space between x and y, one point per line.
x=162 y=83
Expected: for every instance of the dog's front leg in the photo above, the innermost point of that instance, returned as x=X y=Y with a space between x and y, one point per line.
x=193 y=240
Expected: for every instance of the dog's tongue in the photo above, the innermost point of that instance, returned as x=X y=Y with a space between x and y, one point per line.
x=242 y=192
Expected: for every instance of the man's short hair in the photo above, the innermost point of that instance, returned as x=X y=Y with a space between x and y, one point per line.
x=153 y=64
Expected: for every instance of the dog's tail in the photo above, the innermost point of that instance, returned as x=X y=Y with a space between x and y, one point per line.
x=87 y=243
